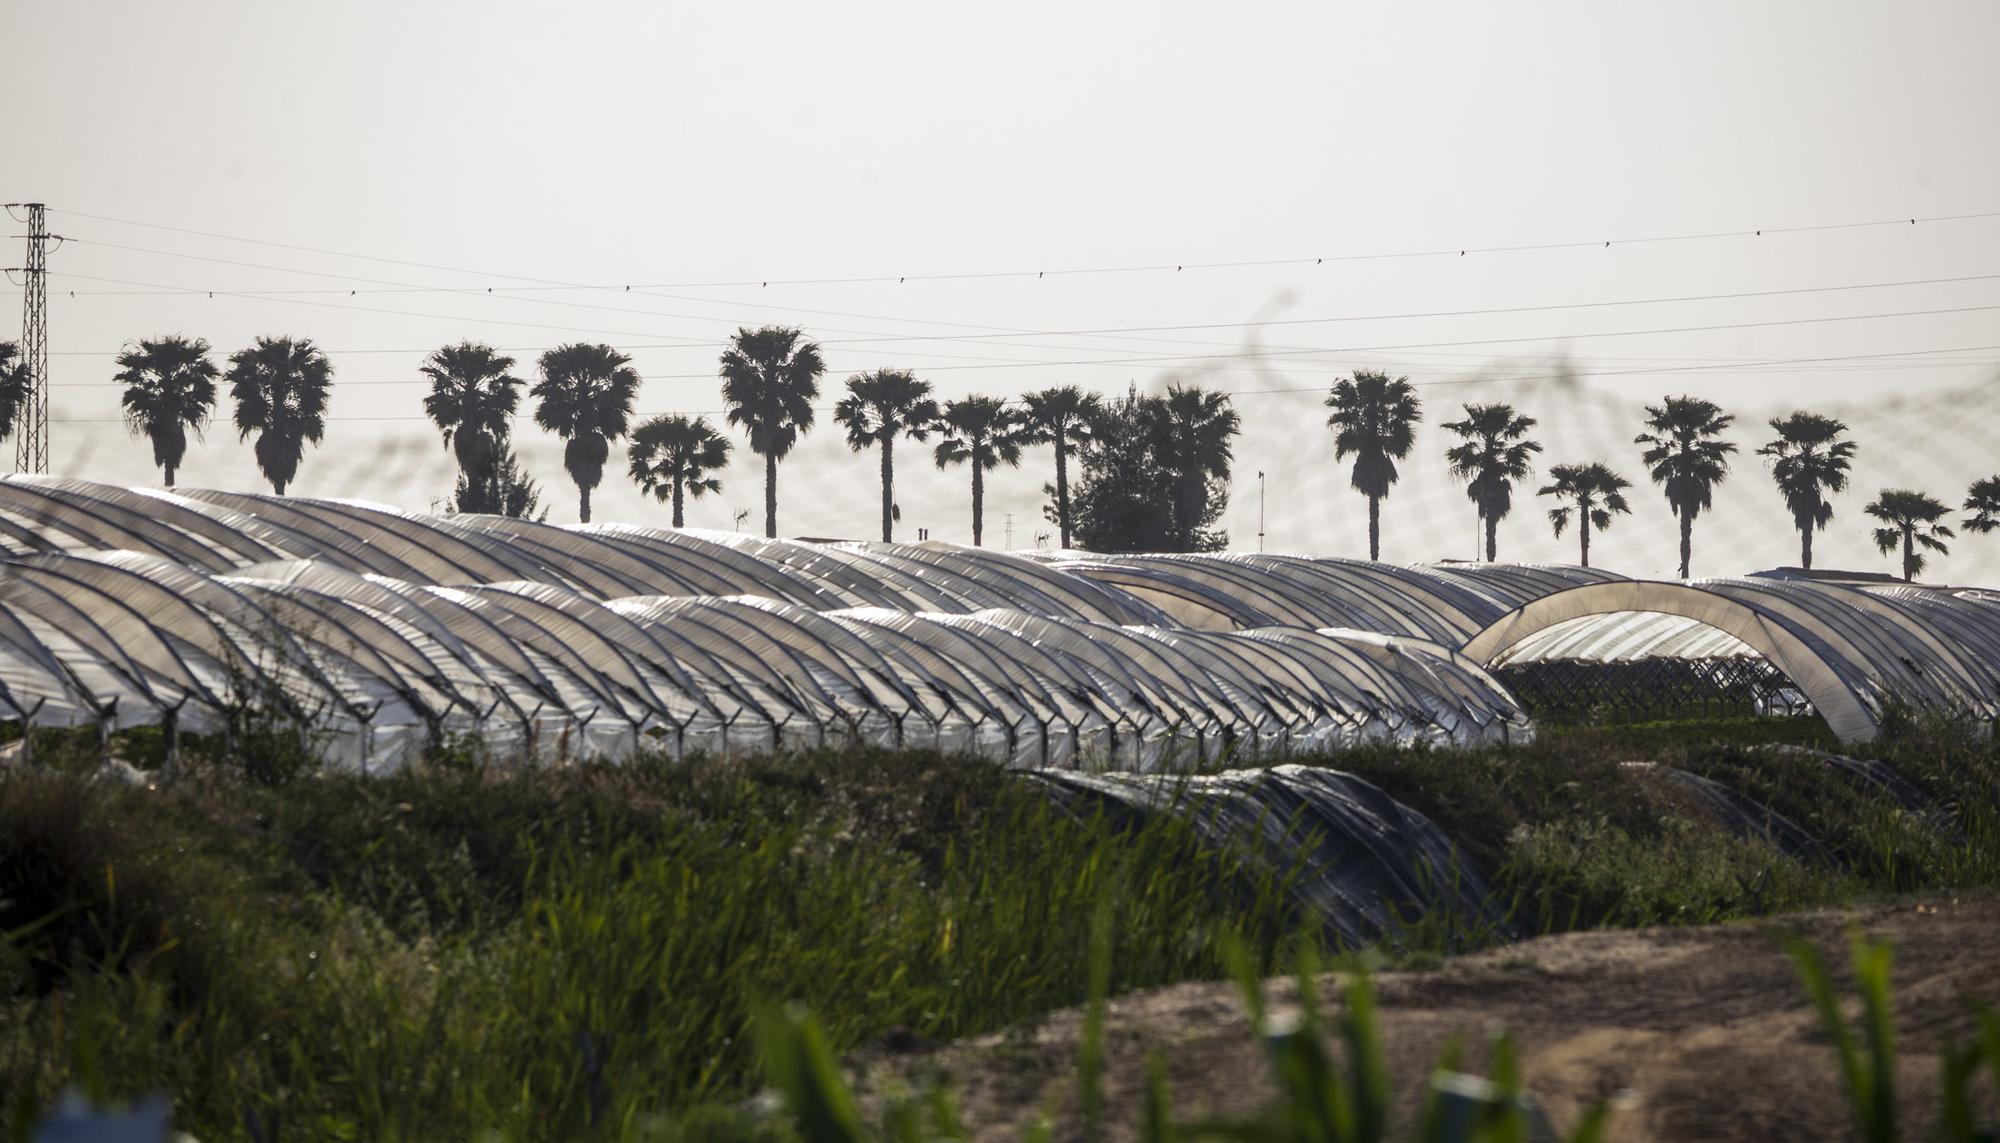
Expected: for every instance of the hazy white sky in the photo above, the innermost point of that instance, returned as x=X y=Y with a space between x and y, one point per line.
x=666 y=145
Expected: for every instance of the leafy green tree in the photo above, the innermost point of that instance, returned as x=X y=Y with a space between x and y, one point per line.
x=984 y=433
x=281 y=386
x=1064 y=416
x=675 y=458
x=1912 y=518
x=505 y=490
x=770 y=378
x=1494 y=454
x=1116 y=504
x=1374 y=419
x=585 y=394
x=1983 y=501
x=16 y=385
x=1595 y=494
x=878 y=408
x=1687 y=457
x=169 y=390
x=474 y=395
x=1809 y=459
x=1194 y=432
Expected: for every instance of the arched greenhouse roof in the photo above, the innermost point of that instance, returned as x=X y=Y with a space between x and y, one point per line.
x=219 y=532
x=1226 y=591
x=1852 y=648
x=385 y=666
x=125 y=606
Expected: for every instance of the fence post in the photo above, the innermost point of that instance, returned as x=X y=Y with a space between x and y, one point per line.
x=105 y=723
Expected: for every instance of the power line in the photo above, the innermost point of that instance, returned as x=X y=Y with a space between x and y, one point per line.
x=988 y=332
x=1477 y=380
x=1748 y=366
x=1159 y=267
x=1267 y=354
x=1406 y=315
x=991 y=363
x=1659 y=370
x=998 y=332
x=291 y=297
x=302 y=249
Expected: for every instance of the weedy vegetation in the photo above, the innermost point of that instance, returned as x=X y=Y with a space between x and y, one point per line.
x=1333 y=1085
x=596 y=952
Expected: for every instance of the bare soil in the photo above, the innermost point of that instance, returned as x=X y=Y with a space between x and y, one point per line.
x=1695 y=1033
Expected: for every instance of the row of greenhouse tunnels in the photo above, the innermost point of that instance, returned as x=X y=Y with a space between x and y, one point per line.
x=164 y=614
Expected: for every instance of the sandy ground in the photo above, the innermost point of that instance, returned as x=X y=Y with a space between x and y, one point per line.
x=1699 y=1033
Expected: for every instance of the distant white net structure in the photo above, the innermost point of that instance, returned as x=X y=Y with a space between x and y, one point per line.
x=390 y=632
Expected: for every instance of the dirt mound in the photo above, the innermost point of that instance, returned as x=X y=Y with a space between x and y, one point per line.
x=1702 y=1033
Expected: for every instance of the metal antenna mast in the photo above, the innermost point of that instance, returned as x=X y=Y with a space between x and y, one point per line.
x=31 y=434
x=1260 y=509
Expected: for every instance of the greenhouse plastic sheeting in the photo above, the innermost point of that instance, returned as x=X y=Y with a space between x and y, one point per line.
x=122 y=606
x=1357 y=860
x=385 y=667
x=391 y=632
x=1852 y=647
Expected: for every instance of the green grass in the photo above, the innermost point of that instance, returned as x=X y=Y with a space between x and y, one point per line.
x=582 y=953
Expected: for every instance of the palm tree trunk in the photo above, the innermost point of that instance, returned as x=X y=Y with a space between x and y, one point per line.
x=1186 y=511
x=1492 y=537
x=582 y=504
x=1374 y=528
x=1687 y=542
x=170 y=474
x=978 y=501
x=1805 y=547
x=1063 y=488
x=888 y=487
x=680 y=487
x=1909 y=554
x=278 y=487
x=1583 y=531
x=770 y=496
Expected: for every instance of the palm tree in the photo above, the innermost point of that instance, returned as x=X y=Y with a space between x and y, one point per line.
x=473 y=397
x=878 y=408
x=1808 y=460
x=1495 y=454
x=985 y=433
x=1066 y=417
x=16 y=386
x=585 y=396
x=1686 y=456
x=675 y=458
x=1192 y=430
x=169 y=389
x=1375 y=419
x=1983 y=501
x=280 y=385
x=1913 y=523
x=769 y=381
x=1595 y=494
